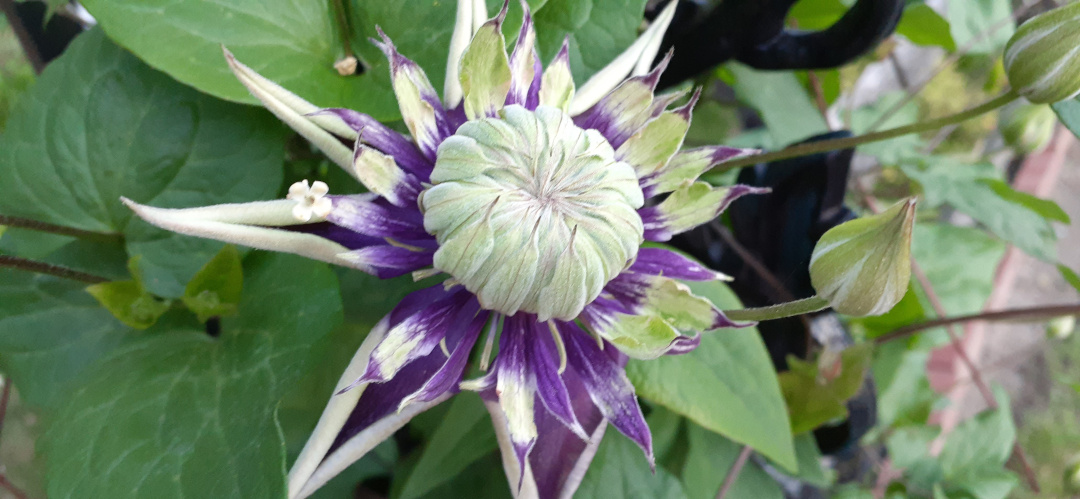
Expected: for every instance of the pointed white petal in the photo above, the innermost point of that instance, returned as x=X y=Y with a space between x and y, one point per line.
x=641 y=52
x=335 y=414
x=463 y=32
x=648 y=55
x=293 y=110
x=528 y=489
x=230 y=223
x=360 y=444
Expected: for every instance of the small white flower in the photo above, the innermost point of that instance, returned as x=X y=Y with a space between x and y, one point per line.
x=310 y=200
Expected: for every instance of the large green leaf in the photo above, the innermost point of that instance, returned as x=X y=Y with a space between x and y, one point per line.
x=924 y=26
x=297 y=43
x=985 y=25
x=708 y=462
x=1069 y=113
x=100 y=124
x=727 y=385
x=464 y=436
x=50 y=330
x=619 y=469
x=975 y=190
x=181 y=414
x=960 y=263
x=791 y=119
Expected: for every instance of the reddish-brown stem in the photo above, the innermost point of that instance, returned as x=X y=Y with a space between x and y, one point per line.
x=1016 y=314
x=28 y=46
x=37 y=267
x=733 y=473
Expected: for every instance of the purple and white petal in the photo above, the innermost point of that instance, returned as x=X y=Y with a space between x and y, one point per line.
x=382 y=138
x=608 y=386
x=626 y=109
x=389 y=261
x=374 y=216
x=688 y=165
x=382 y=175
x=523 y=61
x=690 y=206
x=652 y=146
x=664 y=262
x=449 y=375
x=544 y=359
x=417 y=335
x=517 y=394
x=560 y=458
x=557 y=83
x=421 y=108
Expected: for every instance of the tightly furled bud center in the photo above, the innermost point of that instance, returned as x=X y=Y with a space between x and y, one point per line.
x=532 y=213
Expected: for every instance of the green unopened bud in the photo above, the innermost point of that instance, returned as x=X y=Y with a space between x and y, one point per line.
x=862 y=267
x=1042 y=58
x=1028 y=128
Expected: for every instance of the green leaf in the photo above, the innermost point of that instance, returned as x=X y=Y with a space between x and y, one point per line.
x=985 y=25
x=971 y=189
x=599 y=30
x=727 y=385
x=464 y=436
x=789 y=120
x=816 y=14
x=1070 y=276
x=811 y=470
x=1069 y=113
x=181 y=414
x=708 y=462
x=100 y=124
x=215 y=289
x=297 y=44
x=922 y=25
x=814 y=396
x=892 y=151
x=981 y=444
x=129 y=302
x=1046 y=208
x=960 y=263
x=619 y=469
x=904 y=396
x=41 y=349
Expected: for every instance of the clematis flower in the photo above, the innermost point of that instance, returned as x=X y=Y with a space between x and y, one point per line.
x=532 y=198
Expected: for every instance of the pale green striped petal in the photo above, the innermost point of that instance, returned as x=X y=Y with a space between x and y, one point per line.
x=485 y=70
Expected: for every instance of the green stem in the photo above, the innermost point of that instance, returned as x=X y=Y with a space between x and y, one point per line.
x=779 y=311
x=809 y=148
x=342 y=20
x=26 y=223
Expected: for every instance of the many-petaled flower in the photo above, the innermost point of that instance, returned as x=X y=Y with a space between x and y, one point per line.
x=534 y=199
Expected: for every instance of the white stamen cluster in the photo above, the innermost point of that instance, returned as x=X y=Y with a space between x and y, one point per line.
x=310 y=201
x=532 y=213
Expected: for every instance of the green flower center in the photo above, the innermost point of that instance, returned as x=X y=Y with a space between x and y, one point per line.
x=532 y=213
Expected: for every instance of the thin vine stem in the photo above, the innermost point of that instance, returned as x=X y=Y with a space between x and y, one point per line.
x=733 y=473
x=14 y=262
x=1032 y=314
x=779 y=311
x=26 y=223
x=343 y=26
x=809 y=148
